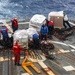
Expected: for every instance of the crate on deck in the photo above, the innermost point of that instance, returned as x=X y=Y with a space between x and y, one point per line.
x=57 y=17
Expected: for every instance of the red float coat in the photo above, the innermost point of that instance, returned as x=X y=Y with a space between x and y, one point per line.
x=16 y=49
x=15 y=23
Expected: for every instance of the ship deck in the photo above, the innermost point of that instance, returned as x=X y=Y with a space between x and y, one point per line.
x=62 y=64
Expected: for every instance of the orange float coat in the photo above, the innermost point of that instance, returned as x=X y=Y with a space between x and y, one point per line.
x=16 y=49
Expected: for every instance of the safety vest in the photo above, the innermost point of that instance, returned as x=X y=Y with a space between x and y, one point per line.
x=16 y=48
x=15 y=23
x=4 y=32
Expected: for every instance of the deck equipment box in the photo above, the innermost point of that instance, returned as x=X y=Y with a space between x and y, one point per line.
x=57 y=18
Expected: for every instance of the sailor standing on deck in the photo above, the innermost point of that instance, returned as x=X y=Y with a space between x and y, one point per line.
x=50 y=28
x=43 y=32
x=65 y=22
x=4 y=32
x=14 y=24
x=16 y=49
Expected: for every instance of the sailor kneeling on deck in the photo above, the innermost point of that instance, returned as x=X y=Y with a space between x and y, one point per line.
x=36 y=41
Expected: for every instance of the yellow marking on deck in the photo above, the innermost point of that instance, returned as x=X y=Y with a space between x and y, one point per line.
x=64 y=51
x=69 y=68
x=24 y=74
x=6 y=59
x=46 y=69
x=3 y=59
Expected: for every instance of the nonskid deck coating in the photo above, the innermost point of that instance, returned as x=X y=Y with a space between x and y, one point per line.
x=59 y=65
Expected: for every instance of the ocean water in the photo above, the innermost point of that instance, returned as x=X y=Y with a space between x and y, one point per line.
x=27 y=8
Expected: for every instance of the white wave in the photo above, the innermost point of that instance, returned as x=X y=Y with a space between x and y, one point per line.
x=27 y=6
x=7 y=8
x=18 y=5
x=4 y=2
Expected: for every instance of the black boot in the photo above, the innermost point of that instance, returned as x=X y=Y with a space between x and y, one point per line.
x=18 y=64
x=15 y=63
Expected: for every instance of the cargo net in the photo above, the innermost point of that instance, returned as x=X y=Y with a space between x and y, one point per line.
x=46 y=48
x=62 y=34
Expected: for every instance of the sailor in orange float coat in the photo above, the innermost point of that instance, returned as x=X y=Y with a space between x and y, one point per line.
x=14 y=24
x=17 y=49
x=50 y=27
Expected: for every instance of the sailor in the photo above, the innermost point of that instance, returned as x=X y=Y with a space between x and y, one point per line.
x=4 y=32
x=50 y=28
x=16 y=50
x=14 y=24
x=65 y=22
x=43 y=32
x=36 y=41
x=11 y=40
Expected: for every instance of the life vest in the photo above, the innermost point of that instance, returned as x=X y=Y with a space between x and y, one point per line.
x=16 y=48
x=4 y=32
x=15 y=23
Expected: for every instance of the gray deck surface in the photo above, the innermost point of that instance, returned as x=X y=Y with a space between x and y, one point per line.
x=58 y=65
